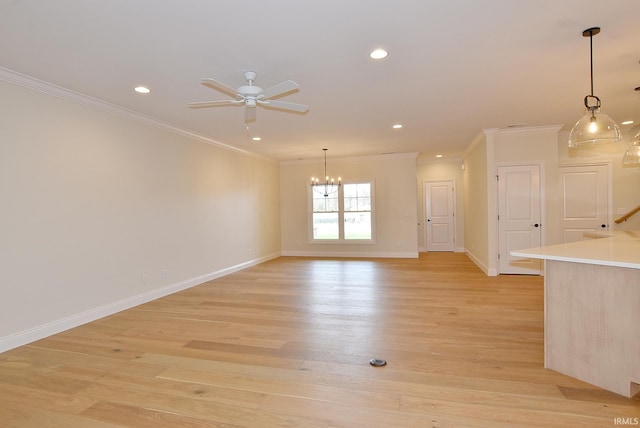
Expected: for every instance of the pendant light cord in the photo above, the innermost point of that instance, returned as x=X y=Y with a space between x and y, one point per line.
x=325 y=163
x=590 y=32
x=591 y=56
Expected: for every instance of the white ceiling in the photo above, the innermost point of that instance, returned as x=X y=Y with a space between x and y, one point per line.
x=455 y=67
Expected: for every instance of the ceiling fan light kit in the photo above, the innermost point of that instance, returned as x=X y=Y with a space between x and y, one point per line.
x=252 y=96
x=594 y=127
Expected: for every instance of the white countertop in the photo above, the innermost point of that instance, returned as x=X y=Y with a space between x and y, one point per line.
x=618 y=248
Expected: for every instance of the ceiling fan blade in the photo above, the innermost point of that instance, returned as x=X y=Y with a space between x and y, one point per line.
x=216 y=103
x=250 y=114
x=219 y=86
x=279 y=89
x=284 y=105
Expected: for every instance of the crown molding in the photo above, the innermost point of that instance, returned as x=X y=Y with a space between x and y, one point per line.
x=32 y=83
x=381 y=156
x=526 y=129
x=431 y=160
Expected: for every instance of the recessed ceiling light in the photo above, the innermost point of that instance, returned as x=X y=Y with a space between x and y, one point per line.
x=142 y=90
x=379 y=54
x=627 y=122
x=438 y=156
x=397 y=126
x=256 y=138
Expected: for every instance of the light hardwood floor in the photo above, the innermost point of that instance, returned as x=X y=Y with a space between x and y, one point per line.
x=288 y=343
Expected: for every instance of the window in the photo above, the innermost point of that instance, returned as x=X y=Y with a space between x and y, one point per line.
x=357 y=211
x=326 y=214
x=344 y=216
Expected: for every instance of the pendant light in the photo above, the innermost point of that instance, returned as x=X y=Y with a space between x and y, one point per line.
x=631 y=157
x=594 y=127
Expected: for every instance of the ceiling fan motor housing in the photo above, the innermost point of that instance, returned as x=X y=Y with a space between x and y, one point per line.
x=249 y=91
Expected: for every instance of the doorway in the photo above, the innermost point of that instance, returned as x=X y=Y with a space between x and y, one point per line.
x=439 y=197
x=519 y=218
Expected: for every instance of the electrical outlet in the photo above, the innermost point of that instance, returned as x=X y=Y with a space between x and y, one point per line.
x=144 y=279
x=622 y=211
x=163 y=273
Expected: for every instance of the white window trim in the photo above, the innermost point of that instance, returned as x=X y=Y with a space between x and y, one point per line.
x=341 y=240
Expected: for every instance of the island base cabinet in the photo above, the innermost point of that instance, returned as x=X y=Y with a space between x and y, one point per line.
x=592 y=324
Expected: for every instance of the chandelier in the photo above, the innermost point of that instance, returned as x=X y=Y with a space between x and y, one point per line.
x=594 y=127
x=329 y=185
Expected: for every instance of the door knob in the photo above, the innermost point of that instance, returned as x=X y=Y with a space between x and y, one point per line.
x=536 y=225
x=603 y=226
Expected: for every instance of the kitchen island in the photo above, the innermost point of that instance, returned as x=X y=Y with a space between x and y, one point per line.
x=592 y=309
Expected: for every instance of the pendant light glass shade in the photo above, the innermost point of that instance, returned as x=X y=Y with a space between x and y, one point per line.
x=594 y=127
x=632 y=155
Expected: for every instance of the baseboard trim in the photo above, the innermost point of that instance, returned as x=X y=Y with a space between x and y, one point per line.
x=455 y=250
x=482 y=266
x=45 y=330
x=398 y=255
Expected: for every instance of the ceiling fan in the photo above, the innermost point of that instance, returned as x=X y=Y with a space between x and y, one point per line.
x=251 y=96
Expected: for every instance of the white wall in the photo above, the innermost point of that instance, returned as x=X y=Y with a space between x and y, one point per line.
x=476 y=204
x=93 y=201
x=395 y=205
x=441 y=170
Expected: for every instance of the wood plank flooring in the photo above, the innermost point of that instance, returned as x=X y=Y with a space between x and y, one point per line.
x=288 y=343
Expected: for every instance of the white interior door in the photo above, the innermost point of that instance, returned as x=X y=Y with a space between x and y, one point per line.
x=585 y=200
x=519 y=218
x=439 y=208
